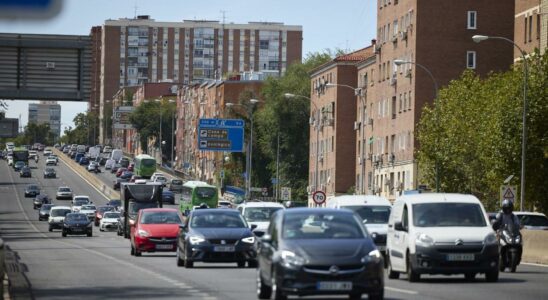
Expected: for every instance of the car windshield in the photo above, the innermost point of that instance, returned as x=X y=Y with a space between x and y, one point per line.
x=371 y=214
x=46 y=207
x=217 y=220
x=533 y=220
x=60 y=212
x=88 y=207
x=148 y=162
x=160 y=178
x=176 y=182
x=205 y=192
x=50 y=170
x=76 y=217
x=79 y=202
x=32 y=187
x=448 y=215
x=112 y=215
x=319 y=225
x=160 y=217
x=64 y=190
x=105 y=208
x=258 y=214
x=115 y=202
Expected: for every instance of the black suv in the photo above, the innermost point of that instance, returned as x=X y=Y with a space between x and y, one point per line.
x=77 y=224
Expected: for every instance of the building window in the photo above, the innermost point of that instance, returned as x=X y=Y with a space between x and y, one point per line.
x=471 y=59
x=538 y=26
x=530 y=28
x=472 y=19
x=525 y=31
x=393 y=107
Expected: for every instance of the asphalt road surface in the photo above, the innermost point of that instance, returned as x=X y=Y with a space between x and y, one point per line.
x=101 y=267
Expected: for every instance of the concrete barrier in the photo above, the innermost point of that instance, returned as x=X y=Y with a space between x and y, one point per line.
x=90 y=177
x=535 y=245
x=2 y=267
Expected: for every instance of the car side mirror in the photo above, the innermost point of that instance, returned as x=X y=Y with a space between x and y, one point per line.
x=398 y=226
x=253 y=226
x=266 y=238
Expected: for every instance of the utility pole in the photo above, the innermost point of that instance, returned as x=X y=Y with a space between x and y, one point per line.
x=277 y=167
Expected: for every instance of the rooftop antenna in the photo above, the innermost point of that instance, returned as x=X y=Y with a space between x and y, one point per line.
x=135 y=10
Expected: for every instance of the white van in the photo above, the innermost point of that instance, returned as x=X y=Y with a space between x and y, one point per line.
x=258 y=213
x=116 y=154
x=441 y=234
x=374 y=211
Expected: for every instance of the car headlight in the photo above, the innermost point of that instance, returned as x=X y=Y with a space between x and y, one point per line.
x=196 y=240
x=374 y=255
x=490 y=239
x=518 y=239
x=424 y=240
x=131 y=222
x=249 y=240
x=290 y=260
x=143 y=233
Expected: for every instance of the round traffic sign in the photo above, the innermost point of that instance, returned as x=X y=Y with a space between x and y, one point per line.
x=318 y=197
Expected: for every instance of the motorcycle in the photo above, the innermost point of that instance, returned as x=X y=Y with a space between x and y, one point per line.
x=511 y=248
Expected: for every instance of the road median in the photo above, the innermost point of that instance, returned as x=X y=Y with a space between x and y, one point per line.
x=88 y=176
x=535 y=243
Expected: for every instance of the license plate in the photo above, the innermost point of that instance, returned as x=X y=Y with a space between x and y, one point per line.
x=223 y=248
x=334 y=285
x=460 y=257
x=77 y=229
x=164 y=247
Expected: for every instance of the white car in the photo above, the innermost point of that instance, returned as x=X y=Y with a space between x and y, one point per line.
x=47 y=152
x=51 y=161
x=89 y=210
x=55 y=157
x=64 y=192
x=78 y=201
x=10 y=160
x=258 y=213
x=109 y=164
x=32 y=154
x=57 y=217
x=532 y=220
x=109 y=221
x=92 y=165
x=160 y=179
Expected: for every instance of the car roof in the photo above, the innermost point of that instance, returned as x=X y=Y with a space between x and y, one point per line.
x=528 y=213
x=158 y=209
x=61 y=207
x=213 y=210
x=298 y=210
x=63 y=187
x=358 y=200
x=81 y=196
x=260 y=204
x=438 y=197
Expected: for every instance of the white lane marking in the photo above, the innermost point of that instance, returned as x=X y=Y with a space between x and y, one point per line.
x=536 y=265
x=409 y=292
x=127 y=264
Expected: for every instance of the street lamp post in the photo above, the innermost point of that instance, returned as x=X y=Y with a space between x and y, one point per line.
x=357 y=93
x=479 y=38
x=317 y=128
x=161 y=142
x=250 y=156
x=399 y=62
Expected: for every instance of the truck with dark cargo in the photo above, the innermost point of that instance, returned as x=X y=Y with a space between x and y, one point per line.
x=137 y=196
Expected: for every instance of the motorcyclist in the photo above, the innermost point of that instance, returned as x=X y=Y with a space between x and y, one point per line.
x=506 y=216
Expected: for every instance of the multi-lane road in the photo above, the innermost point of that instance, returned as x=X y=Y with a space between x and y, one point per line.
x=101 y=267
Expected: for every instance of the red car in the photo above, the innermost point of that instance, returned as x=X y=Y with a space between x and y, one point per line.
x=155 y=230
x=100 y=211
x=131 y=167
x=120 y=171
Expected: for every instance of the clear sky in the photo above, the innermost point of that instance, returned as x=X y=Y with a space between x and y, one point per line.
x=344 y=24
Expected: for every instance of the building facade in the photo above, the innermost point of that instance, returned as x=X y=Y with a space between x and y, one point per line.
x=422 y=36
x=332 y=163
x=528 y=26
x=142 y=50
x=48 y=112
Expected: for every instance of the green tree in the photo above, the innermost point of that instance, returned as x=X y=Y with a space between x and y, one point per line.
x=474 y=132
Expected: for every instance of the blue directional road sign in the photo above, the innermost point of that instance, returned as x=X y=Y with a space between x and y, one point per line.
x=221 y=135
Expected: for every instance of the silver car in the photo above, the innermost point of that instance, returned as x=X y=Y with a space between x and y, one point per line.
x=64 y=192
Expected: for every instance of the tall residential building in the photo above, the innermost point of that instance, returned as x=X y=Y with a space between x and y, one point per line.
x=142 y=50
x=436 y=35
x=528 y=25
x=332 y=164
x=544 y=26
x=46 y=112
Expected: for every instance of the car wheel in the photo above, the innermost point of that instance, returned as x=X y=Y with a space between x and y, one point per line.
x=391 y=273
x=252 y=264
x=90 y=234
x=241 y=264
x=50 y=229
x=278 y=294
x=412 y=275
x=64 y=233
x=180 y=262
x=357 y=296
x=470 y=276
x=379 y=295
x=492 y=276
x=189 y=264
x=263 y=291
x=101 y=229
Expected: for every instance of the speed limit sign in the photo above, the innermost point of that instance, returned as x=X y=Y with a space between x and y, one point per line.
x=318 y=197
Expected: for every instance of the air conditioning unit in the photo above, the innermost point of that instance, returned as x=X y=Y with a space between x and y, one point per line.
x=394 y=38
x=378 y=48
x=375 y=158
x=359 y=160
x=320 y=157
x=408 y=73
x=393 y=80
x=357 y=125
x=358 y=92
x=403 y=35
x=370 y=121
x=309 y=189
x=311 y=121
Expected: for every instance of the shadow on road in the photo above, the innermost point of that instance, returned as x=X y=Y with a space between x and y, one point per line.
x=112 y=292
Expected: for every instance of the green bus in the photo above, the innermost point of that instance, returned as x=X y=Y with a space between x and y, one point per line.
x=21 y=154
x=145 y=165
x=195 y=193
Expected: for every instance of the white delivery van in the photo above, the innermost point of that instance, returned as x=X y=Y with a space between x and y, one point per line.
x=258 y=213
x=374 y=211
x=439 y=233
x=94 y=152
x=116 y=154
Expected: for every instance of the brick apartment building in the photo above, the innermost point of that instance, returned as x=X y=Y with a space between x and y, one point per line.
x=528 y=29
x=206 y=100
x=438 y=36
x=332 y=137
x=130 y=52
